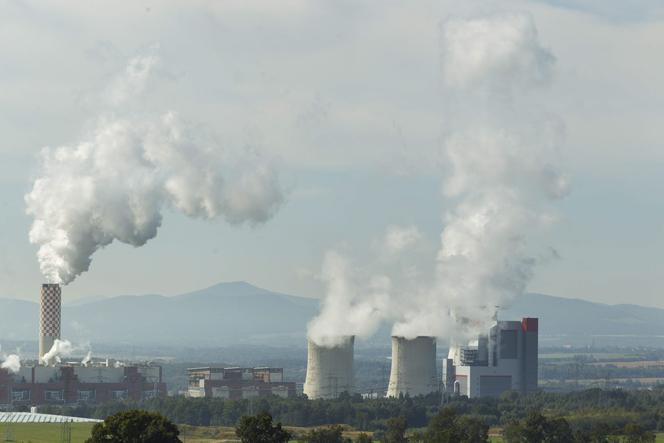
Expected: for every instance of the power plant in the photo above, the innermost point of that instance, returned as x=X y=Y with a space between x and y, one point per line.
x=503 y=360
x=413 y=367
x=49 y=317
x=330 y=369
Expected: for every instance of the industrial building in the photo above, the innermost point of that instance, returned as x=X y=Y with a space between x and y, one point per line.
x=413 y=369
x=504 y=359
x=330 y=369
x=70 y=383
x=238 y=383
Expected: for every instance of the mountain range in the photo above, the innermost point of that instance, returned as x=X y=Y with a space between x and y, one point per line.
x=238 y=313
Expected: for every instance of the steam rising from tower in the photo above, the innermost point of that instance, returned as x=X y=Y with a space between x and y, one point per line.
x=49 y=317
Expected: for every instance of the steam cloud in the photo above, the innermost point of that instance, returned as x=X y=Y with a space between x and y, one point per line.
x=503 y=170
x=11 y=362
x=60 y=349
x=348 y=307
x=115 y=183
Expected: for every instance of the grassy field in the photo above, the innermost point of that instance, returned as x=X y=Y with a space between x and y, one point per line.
x=51 y=433
x=43 y=432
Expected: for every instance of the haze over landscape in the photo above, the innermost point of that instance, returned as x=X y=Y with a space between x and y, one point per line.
x=332 y=221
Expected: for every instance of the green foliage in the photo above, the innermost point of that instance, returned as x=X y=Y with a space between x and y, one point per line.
x=636 y=434
x=332 y=434
x=363 y=438
x=447 y=427
x=396 y=430
x=259 y=429
x=135 y=426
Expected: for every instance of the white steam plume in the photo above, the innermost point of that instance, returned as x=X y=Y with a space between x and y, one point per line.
x=348 y=308
x=504 y=169
x=59 y=350
x=503 y=166
x=114 y=184
x=87 y=359
x=10 y=362
x=399 y=238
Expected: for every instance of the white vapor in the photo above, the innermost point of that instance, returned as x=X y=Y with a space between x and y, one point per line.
x=503 y=170
x=115 y=183
x=86 y=360
x=60 y=349
x=10 y=362
x=399 y=238
x=349 y=307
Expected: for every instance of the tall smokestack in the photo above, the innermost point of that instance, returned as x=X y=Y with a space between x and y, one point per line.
x=413 y=367
x=49 y=317
x=329 y=369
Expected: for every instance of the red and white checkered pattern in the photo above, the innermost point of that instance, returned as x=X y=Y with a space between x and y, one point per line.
x=49 y=314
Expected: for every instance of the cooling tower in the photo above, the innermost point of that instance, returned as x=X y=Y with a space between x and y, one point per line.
x=413 y=367
x=329 y=369
x=49 y=317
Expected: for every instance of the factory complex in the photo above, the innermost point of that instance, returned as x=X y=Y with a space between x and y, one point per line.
x=504 y=358
x=238 y=383
x=72 y=383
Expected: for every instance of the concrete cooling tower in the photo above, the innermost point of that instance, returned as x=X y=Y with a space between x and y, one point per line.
x=329 y=369
x=49 y=317
x=413 y=367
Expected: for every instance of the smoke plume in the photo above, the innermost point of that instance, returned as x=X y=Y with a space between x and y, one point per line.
x=115 y=183
x=349 y=307
x=59 y=350
x=503 y=170
x=10 y=362
x=87 y=359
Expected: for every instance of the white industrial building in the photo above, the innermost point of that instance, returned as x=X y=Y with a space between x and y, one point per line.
x=503 y=360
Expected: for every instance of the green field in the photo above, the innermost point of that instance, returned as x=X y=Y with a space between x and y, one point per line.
x=43 y=432
x=51 y=433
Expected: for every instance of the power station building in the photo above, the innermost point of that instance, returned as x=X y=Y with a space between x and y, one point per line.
x=70 y=384
x=505 y=359
x=238 y=383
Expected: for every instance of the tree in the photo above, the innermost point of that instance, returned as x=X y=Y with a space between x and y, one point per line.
x=135 y=426
x=447 y=427
x=363 y=438
x=396 y=430
x=513 y=432
x=473 y=430
x=443 y=428
x=333 y=434
x=534 y=428
x=259 y=429
x=558 y=430
x=634 y=433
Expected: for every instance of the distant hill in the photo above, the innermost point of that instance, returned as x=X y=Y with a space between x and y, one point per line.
x=239 y=313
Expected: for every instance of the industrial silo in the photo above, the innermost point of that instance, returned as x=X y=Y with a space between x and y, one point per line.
x=413 y=367
x=329 y=369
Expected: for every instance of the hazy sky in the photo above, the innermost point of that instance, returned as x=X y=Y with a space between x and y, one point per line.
x=345 y=97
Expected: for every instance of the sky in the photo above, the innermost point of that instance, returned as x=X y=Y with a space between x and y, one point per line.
x=344 y=98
